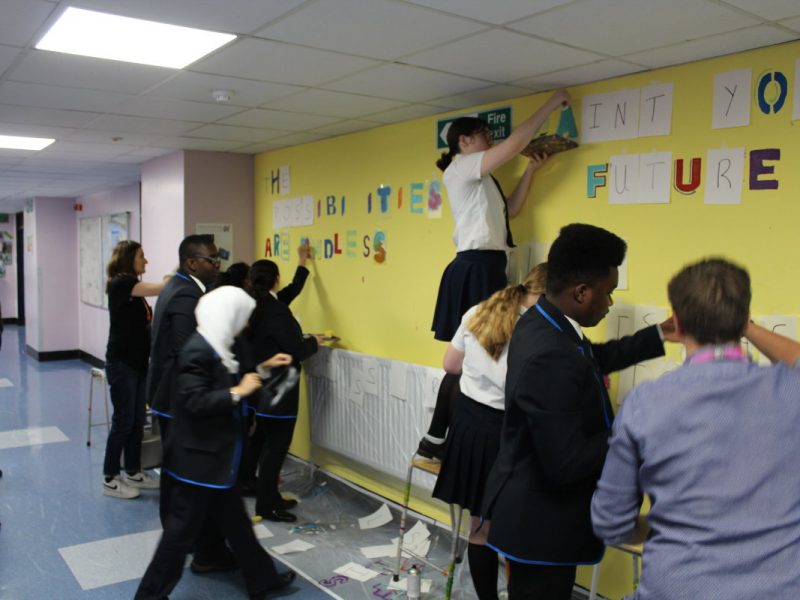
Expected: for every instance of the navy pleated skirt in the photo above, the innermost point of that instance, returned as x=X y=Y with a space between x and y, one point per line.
x=472 y=447
x=471 y=277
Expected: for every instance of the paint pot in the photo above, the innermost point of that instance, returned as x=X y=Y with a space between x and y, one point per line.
x=413 y=584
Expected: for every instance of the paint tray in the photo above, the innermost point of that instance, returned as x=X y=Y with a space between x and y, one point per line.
x=548 y=144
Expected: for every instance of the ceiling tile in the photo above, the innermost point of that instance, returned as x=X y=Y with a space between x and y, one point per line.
x=84 y=150
x=235 y=134
x=373 y=28
x=616 y=27
x=523 y=56
x=718 y=45
x=32 y=130
x=487 y=95
x=45 y=116
x=772 y=10
x=793 y=23
x=277 y=119
x=280 y=63
x=188 y=143
x=258 y=148
x=52 y=96
x=335 y=104
x=21 y=19
x=604 y=69
x=115 y=125
x=7 y=56
x=54 y=68
x=402 y=82
x=300 y=137
x=495 y=13
x=198 y=87
x=343 y=127
x=406 y=113
x=230 y=16
x=171 y=108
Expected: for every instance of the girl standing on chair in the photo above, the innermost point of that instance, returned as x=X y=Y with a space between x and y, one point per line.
x=478 y=353
x=127 y=354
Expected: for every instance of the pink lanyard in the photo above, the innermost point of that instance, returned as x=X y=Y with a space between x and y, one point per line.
x=717 y=354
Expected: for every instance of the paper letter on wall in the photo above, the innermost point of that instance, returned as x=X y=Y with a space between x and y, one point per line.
x=732 y=99
x=724 y=176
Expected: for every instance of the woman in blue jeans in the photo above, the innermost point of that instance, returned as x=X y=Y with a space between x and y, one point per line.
x=127 y=354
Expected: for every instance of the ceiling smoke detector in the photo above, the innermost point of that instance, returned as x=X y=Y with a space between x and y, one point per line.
x=222 y=95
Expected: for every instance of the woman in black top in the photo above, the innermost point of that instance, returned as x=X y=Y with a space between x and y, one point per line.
x=127 y=354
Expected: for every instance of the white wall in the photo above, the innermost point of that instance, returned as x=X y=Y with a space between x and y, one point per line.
x=8 y=284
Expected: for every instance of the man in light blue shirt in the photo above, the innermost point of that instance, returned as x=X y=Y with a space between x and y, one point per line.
x=715 y=446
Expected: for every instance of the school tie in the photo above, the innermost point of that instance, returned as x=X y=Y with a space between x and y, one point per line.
x=509 y=237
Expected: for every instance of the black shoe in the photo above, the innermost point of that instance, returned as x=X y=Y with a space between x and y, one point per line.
x=287 y=503
x=279 y=515
x=430 y=450
x=286 y=580
x=227 y=563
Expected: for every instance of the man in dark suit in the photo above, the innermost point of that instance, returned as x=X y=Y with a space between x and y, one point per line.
x=558 y=417
x=173 y=323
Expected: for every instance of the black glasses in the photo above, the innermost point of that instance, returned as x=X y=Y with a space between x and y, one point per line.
x=216 y=261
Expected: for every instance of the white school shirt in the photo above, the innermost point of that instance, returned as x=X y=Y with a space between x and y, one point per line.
x=476 y=204
x=482 y=379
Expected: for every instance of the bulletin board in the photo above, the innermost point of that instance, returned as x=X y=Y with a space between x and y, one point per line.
x=683 y=163
x=97 y=237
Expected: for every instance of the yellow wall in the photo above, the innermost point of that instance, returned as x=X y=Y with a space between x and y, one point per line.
x=385 y=309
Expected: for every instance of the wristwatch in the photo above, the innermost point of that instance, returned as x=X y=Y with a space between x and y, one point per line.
x=235 y=398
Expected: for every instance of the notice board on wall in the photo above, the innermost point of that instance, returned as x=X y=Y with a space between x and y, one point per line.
x=97 y=237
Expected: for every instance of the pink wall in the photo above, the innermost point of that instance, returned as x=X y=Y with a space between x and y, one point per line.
x=162 y=212
x=8 y=284
x=51 y=275
x=93 y=320
x=219 y=189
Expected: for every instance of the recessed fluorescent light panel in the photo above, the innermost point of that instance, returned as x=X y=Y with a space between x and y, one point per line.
x=90 y=33
x=24 y=143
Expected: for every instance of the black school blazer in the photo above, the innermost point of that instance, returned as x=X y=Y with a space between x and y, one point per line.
x=173 y=323
x=554 y=438
x=205 y=443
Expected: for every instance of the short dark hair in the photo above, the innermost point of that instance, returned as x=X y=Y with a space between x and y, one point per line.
x=582 y=254
x=192 y=245
x=711 y=299
x=263 y=275
x=459 y=127
x=235 y=275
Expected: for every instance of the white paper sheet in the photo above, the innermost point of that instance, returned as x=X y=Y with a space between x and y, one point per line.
x=356 y=571
x=380 y=517
x=655 y=178
x=655 y=110
x=293 y=546
x=785 y=325
x=724 y=176
x=623 y=179
x=381 y=551
x=397 y=379
x=622 y=282
x=612 y=116
x=796 y=95
x=732 y=99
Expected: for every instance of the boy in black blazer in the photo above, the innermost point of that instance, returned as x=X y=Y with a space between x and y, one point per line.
x=558 y=417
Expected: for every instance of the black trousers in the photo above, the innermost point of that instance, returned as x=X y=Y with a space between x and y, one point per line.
x=191 y=507
x=277 y=437
x=540 y=582
x=209 y=548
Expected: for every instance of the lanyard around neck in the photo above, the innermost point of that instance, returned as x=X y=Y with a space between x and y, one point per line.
x=727 y=353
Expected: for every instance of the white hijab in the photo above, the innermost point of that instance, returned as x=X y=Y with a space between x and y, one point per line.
x=221 y=315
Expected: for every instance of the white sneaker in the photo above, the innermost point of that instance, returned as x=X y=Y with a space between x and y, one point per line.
x=117 y=489
x=141 y=480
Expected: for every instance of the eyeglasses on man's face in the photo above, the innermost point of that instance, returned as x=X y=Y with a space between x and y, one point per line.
x=215 y=261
